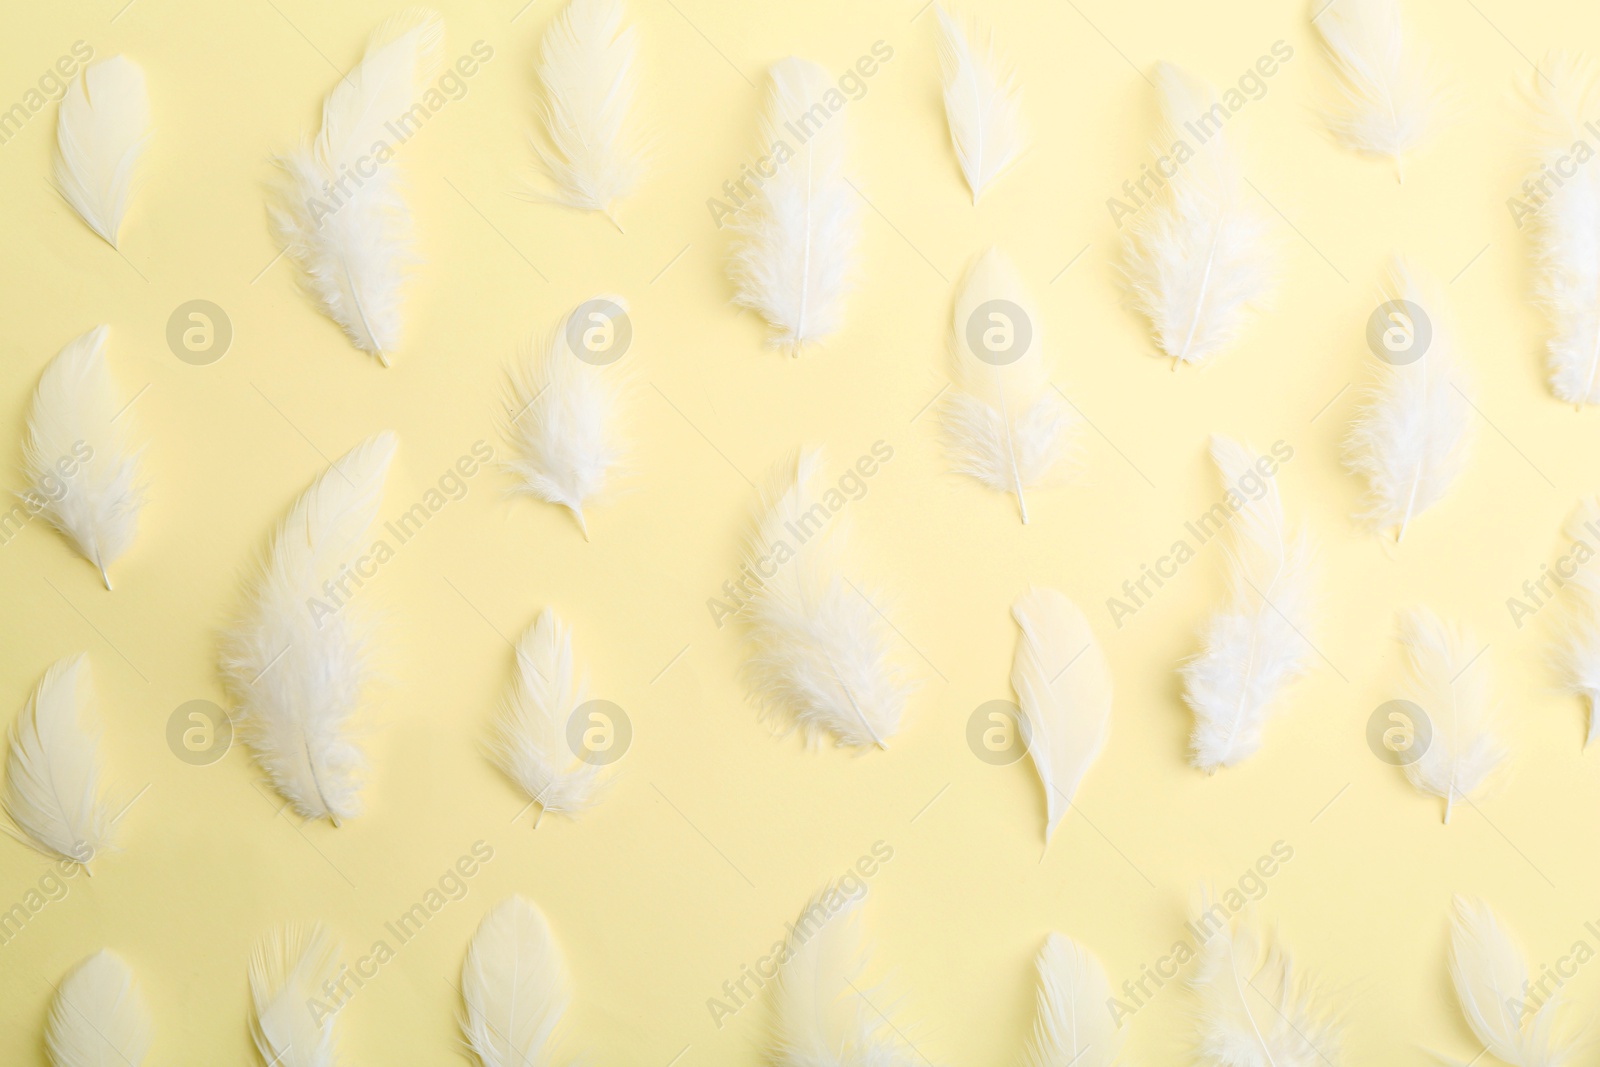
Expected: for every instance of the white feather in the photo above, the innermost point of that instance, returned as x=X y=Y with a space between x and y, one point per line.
x=53 y=792
x=1515 y=1024
x=98 y=1017
x=351 y=234
x=287 y=971
x=564 y=427
x=530 y=742
x=983 y=104
x=1579 y=649
x=1063 y=687
x=1449 y=682
x=795 y=240
x=1409 y=440
x=82 y=472
x=820 y=650
x=297 y=663
x=587 y=70
x=1004 y=424
x=515 y=987
x=1074 y=1027
x=1197 y=255
x=1388 y=92
x=101 y=131
x=1256 y=644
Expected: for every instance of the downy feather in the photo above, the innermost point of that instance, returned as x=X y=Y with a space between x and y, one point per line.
x=75 y=424
x=1491 y=980
x=1197 y=255
x=1579 y=649
x=1004 y=424
x=1073 y=1028
x=1255 y=644
x=101 y=131
x=795 y=239
x=821 y=654
x=1063 y=687
x=515 y=987
x=98 y=1017
x=1449 y=681
x=296 y=661
x=1388 y=92
x=288 y=970
x=350 y=235
x=983 y=104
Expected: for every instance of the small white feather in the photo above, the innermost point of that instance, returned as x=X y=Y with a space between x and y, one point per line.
x=1256 y=644
x=1388 y=91
x=297 y=663
x=1515 y=1025
x=1449 y=682
x=101 y=131
x=1063 y=687
x=287 y=970
x=98 y=1017
x=515 y=986
x=1579 y=648
x=982 y=103
x=795 y=240
x=1074 y=1027
x=83 y=473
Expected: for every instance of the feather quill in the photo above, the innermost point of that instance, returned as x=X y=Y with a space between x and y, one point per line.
x=820 y=651
x=795 y=240
x=1449 y=682
x=1579 y=650
x=98 y=1017
x=297 y=665
x=351 y=235
x=1254 y=645
x=82 y=472
x=1491 y=980
x=1063 y=687
x=983 y=104
x=515 y=987
x=1004 y=424
x=1073 y=1028
x=101 y=131
x=287 y=972
x=1388 y=92
x=1197 y=257
x=53 y=792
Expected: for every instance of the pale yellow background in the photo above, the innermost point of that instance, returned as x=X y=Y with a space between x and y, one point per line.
x=715 y=833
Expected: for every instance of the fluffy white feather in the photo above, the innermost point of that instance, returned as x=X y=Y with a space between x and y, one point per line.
x=1516 y=1025
x=1409 y=441
x=1579 y=649
x=1063 y=687
x=795 y=240
x=101 y=131
x=1255 y=644
x=98 y=1017
x=515 y=986
x=1449 y=681
x=1004 y=424
x=564 y=427
x=295 y=661
x=53 y=792
x=1197 y=255
x=350 y=233
x=287 y=972
x=983 y=104
x=587 y=70
x=1388 y=92
x=821 y=654
x=83 y=474
x=530 y=742
x=1073 y=1028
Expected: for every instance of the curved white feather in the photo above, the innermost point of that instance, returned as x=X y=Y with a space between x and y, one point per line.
x=1074 y=1027
x=288 y=969
x=1579 y=648
x=1515 y=1025
x=82 y=471
x=1449 y=682
x=982 y=103
x=1387 y=90
x=98 y=1017
x=297 y=663
x=530 y=742
x=515 y=986
x=101 y=131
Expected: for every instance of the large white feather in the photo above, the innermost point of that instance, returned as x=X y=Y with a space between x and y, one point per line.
x=1491 y=979
x=53 y=791
x=1197 y=255
x=1388 y=91
x=820 y=650
x=1074 y=1027
x=82 y=471
x=1004 y=424
x=1579 y=649
x=98 y=1017
x=295 y=663
x=101 y=131
x=1449 y=682
x=1063 y=686
x=515 y=987
x=1410 y=438
x=287 y=971
x=530 y=742
x=350 y=233
x=1256 y=644
x=983 y=104
x=796 y=238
